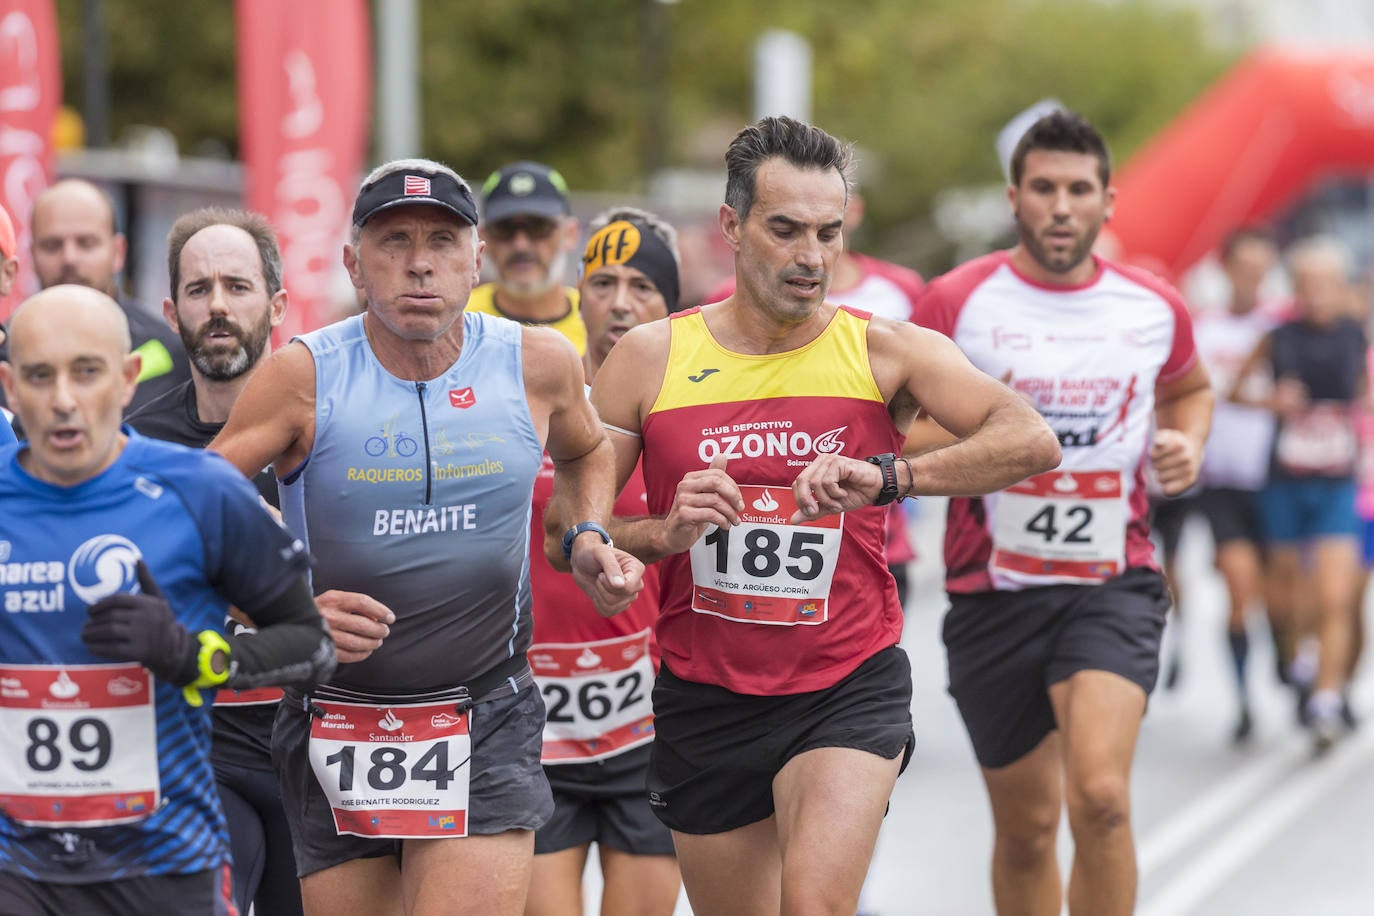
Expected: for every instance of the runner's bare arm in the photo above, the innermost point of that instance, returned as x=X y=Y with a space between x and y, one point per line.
x=584 y=484
x=273 y=419
x=999 y=437
x=1183 y=417
x=1258 y=358
x=625 y=389
x=926 y=435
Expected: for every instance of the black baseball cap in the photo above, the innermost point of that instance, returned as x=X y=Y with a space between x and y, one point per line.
x=525 y=189
x=404 y=187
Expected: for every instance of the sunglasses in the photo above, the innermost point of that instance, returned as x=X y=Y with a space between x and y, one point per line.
x=534 y=227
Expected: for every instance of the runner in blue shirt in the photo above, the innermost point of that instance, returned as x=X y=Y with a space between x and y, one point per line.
x=119 y=557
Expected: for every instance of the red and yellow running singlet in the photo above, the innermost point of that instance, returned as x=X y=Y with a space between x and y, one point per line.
x=767 y=607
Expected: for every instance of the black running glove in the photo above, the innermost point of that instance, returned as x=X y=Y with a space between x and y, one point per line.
x=142 y=628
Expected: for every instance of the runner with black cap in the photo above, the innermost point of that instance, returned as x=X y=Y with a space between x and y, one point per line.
x=406 y=440
x=530 y=235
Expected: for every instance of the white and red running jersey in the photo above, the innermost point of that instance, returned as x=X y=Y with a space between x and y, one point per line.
x=1088 y=357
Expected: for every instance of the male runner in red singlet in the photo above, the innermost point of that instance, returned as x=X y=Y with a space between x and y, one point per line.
x=768 y=424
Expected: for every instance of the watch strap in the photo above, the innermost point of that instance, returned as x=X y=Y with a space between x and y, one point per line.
x=887 y=464
x=581 y=528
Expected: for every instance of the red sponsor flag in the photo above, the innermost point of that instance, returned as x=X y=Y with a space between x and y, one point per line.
x=305 y=77
x=30 y=94
x=417 y=185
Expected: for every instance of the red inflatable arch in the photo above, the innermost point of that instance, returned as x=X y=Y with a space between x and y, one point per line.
x=1253 y=143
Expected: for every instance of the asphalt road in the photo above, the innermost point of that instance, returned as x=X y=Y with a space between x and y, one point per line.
x=1261 y=830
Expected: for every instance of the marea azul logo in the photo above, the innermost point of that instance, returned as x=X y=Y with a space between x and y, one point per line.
x=390 y=722
x=103 y=566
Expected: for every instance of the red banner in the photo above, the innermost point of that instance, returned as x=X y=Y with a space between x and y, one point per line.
x=304 y=77
x=1279 y=122
x=30 y=93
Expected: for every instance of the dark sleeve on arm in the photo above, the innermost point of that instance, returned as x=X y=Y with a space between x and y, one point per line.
x=292 y=647
x=261 y=568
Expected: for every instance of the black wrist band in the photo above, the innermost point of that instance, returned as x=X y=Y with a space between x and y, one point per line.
x=887 y=463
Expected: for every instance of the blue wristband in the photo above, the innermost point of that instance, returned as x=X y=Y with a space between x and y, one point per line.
x=571 y=534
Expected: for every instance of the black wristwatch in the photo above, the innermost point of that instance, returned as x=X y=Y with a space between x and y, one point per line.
x=887 y=463
x=580 y=528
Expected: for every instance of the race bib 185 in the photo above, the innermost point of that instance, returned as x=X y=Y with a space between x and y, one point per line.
x=766 y=570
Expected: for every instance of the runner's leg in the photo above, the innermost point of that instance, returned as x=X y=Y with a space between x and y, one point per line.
x=472 y=876
x=638 y=885
x=830 y=804
x=247 y=843
x=556 y=883
x=371 y=886
x=735 y=873
x=1026 y=798
x=1099 y=717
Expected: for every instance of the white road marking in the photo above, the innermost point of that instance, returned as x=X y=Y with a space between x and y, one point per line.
x=1225 y=854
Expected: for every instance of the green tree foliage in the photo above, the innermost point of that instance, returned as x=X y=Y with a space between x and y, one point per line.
x=922 y=86
x=171 y=64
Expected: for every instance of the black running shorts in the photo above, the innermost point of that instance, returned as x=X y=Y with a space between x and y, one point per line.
x=206 y=893
x=1233 y=514
x=603 y=802
x=1007 y=648
x=716 y=752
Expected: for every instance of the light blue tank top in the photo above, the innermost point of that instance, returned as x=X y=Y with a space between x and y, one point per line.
x=418 y=494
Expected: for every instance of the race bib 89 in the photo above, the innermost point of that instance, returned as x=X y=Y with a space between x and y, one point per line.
x=80 y=745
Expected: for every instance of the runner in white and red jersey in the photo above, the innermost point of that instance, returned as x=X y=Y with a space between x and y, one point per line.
x=596 y=672
x=1057 y=606
x=767 y=425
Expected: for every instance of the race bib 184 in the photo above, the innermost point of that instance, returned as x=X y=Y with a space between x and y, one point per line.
x=766 y=570
x=80 y=745
x=393 y=771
